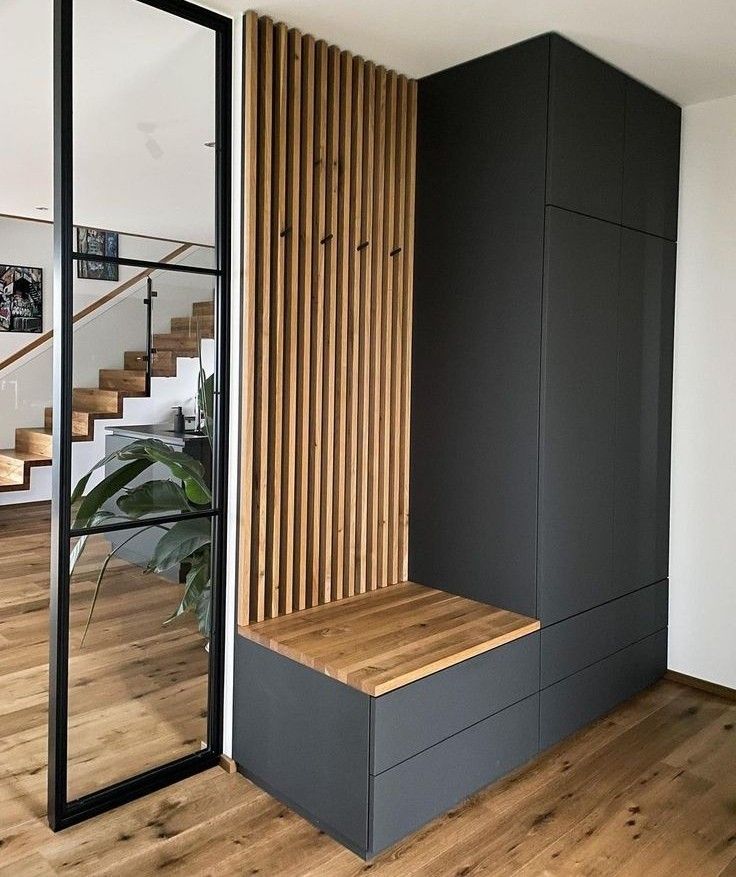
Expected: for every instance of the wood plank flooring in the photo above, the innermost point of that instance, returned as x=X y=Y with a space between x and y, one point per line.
x=648 y=790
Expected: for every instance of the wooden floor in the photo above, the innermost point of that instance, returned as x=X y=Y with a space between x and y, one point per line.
x=648 y=790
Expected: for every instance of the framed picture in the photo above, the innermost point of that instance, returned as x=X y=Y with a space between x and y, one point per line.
x=21 y=299
x=97 y=242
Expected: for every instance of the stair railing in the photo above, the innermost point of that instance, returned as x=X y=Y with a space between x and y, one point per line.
x=150 y=349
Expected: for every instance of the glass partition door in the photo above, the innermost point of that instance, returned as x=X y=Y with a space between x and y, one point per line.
x=142 y=144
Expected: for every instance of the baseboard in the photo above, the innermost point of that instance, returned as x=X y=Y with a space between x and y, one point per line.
x=702 y=684
x=227 y=764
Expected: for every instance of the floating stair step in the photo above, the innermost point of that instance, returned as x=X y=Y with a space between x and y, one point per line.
x=181 y=345
x=96 y=400
x=164 y=362
x=81 y=422
x=10 y=484
x=36 y=440
x=15 y=465
x=203 y=309
x=128 y=381
x=204 y=327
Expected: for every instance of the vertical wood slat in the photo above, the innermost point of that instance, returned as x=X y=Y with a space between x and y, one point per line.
x=369 y=109
x=327 y=263
x=327 y=506
x=354 y=266
x=397 y=339
x=290 y=237
x=304 y=237
x=250 y=207
x=408 y=243
x=263 y=315
x=278 y=280
x=316 y=362
x=386 y=336
x=374 y=398
x=343 y=280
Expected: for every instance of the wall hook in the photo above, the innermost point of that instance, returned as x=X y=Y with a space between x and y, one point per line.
x=362 y=246
x=326 y=238
x=395 y=252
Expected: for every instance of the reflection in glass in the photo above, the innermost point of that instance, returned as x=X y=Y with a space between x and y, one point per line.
x=138 y=660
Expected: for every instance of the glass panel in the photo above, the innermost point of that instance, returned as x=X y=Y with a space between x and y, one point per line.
x=159 y=427
x=142 y=357
x=137 y=681
x=144 y=122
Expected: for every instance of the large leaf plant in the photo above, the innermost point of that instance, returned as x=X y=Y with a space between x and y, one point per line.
x=186 y=544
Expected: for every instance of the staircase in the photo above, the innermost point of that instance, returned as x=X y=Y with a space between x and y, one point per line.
x=33 y=445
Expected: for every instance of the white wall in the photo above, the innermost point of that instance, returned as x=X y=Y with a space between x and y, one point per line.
x=702 y=639
x=28 y=243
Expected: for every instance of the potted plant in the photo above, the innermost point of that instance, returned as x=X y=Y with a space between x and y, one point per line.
x=186 y=544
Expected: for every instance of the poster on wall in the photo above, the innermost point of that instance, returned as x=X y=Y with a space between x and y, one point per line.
x=97 y=242
x=21 y=299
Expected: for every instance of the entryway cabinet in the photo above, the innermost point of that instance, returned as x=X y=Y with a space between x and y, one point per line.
x=567 y=286
x=614 y=144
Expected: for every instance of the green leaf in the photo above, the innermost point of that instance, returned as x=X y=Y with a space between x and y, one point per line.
x=154 y=496
x=106 y=489
x=179 y=543
x=204 y=612
x=184 y=467
x=197 y=492
x=197 y=580
x=134 y=451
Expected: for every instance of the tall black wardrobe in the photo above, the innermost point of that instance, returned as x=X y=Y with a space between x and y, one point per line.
x=547 y=188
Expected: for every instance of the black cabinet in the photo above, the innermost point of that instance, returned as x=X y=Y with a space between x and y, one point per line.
x=541 y=424
x=643 y=410
x=586 y=132
x=575 y=562
x=477 y=306
x=651 y=162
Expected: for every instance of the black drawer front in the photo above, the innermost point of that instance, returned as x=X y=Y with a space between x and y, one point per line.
x=417 y=716
x=576 y=643
x=568 y=705
x=304 y=738
x=417 y=790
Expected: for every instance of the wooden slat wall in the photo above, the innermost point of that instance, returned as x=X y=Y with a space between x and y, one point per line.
x=328 y=188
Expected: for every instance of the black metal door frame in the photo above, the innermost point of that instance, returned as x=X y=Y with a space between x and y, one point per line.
x=61 y=811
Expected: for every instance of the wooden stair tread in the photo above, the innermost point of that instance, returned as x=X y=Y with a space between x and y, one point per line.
x=38 y=430
x=381 y=640
x=24 y=457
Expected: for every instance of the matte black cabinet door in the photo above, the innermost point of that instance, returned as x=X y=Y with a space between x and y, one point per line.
x=477 y=323
x=651 y=162
x=586 y=133
x=643 y=410
x=578 y=411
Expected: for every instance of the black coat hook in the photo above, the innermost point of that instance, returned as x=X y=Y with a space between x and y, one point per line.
x=395 y=252
x=362 y=246
x=326 y=238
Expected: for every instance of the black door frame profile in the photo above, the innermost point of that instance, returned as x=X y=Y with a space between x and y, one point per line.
x=61 y=811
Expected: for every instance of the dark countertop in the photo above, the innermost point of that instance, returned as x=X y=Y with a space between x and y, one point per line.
x=161 y=431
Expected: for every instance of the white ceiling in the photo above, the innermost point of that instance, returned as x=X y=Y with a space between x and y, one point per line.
x=146 y=78
x=684 y=48
x=143 y=110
